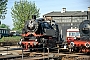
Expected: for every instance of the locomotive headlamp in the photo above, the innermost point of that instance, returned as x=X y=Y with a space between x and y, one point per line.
x=20 y=42
x=34 y=43
x=72 y=44
x=75 y=37
x=68 y=38
x=35 y=39
x=87 y=45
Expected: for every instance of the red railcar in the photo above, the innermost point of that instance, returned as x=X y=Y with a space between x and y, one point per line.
x=72 y=34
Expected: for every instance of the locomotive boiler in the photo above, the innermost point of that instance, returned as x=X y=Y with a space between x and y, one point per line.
x=37 y=32
x=82 y=44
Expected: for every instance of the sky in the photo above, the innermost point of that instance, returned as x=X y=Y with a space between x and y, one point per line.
x=47 y=6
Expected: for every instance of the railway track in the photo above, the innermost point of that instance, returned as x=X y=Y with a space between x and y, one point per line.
x=55 y=54
x=60 y=56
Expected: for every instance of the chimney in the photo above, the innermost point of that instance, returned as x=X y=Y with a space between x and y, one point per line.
x=88 y=8
x=34 y=17
x=63 y=10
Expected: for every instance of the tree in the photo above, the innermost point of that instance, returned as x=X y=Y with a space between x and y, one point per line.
x=22 y=11
x=3 y=4
x=4 y=26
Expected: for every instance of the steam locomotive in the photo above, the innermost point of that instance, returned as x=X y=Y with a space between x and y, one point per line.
x=37 y=32
x=83 y=43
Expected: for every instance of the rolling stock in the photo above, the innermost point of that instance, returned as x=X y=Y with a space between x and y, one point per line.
x=37 y=32
x=83 y=43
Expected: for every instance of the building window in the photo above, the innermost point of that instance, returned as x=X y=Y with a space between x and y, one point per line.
x=69 y=19
x=78 y=19
x=66 y=19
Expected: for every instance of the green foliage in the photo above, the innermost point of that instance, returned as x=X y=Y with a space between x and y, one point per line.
x=3 y=8
x=4 y=26
x=10 y=39
x=22 y=11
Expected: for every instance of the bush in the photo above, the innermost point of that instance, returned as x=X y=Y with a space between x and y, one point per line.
x=10 y=40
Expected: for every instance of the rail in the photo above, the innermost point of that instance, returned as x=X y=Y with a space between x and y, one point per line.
x=22 y=56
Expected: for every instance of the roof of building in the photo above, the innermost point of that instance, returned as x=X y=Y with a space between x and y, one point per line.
x=67 y=13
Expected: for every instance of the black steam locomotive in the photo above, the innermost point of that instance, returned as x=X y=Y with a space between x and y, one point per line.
x=84 y=30
x=37 y=32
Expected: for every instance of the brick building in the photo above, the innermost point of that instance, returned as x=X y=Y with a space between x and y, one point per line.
x=67 y=19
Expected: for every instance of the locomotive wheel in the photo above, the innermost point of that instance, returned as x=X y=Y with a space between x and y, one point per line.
x=76 y=49
x=71 y=50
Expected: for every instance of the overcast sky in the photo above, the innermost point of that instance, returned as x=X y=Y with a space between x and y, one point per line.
x=47 y=6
